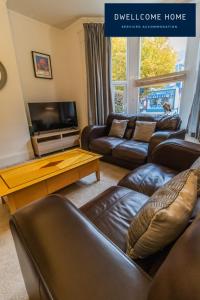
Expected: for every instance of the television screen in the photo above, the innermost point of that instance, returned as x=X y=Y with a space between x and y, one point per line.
x=48 y=116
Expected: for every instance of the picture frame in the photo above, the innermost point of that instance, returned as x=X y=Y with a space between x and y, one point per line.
x=42 y=65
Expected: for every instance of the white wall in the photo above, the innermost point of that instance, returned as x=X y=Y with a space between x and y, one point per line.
x=14 y=135
x=191 y=66
x=31 y=35
x=67 y=51
x=21 y=35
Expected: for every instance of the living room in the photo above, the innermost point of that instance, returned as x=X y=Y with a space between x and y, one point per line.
x=131 y=111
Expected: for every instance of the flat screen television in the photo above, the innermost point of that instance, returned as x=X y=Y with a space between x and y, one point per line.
x=48 y=116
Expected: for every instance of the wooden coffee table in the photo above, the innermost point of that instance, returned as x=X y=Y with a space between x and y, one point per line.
x=24 y=183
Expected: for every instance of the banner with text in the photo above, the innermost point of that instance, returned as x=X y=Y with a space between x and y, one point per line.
x=150 y=20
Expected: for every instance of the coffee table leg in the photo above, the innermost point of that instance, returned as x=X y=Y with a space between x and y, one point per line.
x=98 y=175
x=11 y=203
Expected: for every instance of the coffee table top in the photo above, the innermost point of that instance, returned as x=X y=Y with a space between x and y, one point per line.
x=26 y=174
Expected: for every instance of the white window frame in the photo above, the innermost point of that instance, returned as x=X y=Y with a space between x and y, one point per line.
x=134 y=82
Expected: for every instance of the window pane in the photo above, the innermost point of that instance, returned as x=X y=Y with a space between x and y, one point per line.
x=120 y=98
x=119 y=48
x=162 y=55
x=151 y=99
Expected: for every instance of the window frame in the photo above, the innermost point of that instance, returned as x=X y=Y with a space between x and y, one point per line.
x=167 y=78
x=134 y=82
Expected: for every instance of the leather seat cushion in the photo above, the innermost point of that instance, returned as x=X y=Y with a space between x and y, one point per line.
x=105 y=145
x=148 y=178
x=112 y=212
x=132 y=150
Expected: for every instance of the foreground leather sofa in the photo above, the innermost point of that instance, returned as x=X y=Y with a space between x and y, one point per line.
x=69 y=253
x=126 y=152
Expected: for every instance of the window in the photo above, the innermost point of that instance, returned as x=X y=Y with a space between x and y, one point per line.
x=161 y=64
x=147 y=72
x=120 y=97
x=119 y=74
x=151 y=99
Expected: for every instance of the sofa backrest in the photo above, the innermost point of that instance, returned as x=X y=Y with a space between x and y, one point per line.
x=175 y=154
x=164 y=122
x=178 y=277
x=130 y=126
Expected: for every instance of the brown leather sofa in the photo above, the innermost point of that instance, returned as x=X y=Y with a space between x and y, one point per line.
x=126 y=152
x=67 y=253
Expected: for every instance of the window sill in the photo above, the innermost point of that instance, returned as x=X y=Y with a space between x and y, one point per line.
x=172 y=77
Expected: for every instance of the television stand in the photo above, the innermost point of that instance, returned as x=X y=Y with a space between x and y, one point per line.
x=44 y=143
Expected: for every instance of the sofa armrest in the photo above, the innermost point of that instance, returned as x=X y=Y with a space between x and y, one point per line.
x=92 y=132
x=160 y=136
x=176 y=154
x=66 y=255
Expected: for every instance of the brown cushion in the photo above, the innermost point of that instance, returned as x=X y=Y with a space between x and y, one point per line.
x=144 y=130
x=131 y=151
x=147 y=178
x=105 y=145
x=164 y=122
x=163 y=218
x=118 y=128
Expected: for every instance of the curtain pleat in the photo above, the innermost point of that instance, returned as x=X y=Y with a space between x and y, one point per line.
x=98 y=65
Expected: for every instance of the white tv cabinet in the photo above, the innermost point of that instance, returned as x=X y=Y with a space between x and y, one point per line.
x=44 y=143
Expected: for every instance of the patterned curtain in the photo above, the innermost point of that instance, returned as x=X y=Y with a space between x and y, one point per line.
x=98 y=63
x=193 y=127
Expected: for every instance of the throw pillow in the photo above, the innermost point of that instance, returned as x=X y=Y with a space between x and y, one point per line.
x=196 y=166
x=118 y=128
x=144 y=130
x=163 y=218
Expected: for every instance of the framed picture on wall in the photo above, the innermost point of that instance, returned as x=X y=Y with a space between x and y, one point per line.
x=42 y=65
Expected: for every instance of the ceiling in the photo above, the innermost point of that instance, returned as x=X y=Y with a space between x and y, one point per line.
x=61 y=13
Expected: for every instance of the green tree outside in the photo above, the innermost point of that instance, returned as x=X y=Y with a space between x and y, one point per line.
x=157 y=57
x=119 y=46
